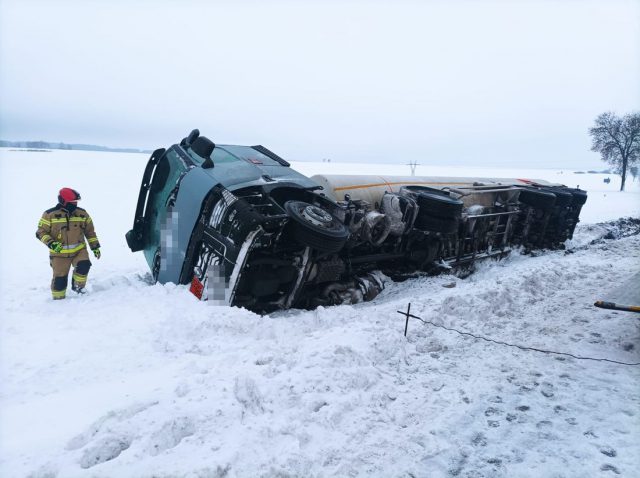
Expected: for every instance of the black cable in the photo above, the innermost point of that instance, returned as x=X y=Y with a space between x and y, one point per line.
x=521 y=347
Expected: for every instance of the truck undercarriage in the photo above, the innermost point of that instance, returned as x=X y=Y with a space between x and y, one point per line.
x=268 y=249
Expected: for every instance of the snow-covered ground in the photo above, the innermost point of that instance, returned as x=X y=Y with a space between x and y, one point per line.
x=140 y=380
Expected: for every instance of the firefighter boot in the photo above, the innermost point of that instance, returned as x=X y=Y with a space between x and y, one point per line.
x=79 y=278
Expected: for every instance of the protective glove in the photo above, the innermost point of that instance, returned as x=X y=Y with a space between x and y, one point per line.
x=55 y=246
x=96 y=252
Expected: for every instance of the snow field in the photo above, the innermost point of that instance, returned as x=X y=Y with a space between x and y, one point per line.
x=140 y=380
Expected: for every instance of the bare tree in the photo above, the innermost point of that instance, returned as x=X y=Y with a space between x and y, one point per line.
x=634 y=171
x=617 y=139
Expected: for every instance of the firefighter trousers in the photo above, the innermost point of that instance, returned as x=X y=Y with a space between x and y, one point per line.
x=61 y=266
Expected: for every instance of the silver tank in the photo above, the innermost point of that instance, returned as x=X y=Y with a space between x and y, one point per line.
x=371 y=188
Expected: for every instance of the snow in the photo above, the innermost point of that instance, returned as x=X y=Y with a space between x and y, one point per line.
x=141 y=380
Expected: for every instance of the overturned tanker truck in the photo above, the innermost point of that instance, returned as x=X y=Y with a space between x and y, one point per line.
x=243 y=228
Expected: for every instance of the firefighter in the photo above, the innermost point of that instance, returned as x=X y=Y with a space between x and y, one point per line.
x=63 y=230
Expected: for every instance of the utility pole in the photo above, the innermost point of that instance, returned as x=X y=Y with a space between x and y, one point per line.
x=413 y=165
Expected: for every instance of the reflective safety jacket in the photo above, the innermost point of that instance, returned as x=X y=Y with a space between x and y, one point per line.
x=69 y=229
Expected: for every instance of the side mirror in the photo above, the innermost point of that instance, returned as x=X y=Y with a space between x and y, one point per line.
x=203 y=147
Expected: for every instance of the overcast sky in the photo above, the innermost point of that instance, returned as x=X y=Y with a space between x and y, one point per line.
x=488 y=82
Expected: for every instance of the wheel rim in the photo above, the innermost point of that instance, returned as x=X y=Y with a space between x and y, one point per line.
x=316 y=216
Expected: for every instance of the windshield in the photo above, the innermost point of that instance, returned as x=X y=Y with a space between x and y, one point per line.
x=249 y=154
x=219 y=156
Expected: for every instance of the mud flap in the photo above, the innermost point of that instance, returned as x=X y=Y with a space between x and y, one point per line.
x=196 y=287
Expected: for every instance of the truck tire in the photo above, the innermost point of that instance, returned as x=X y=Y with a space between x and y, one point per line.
x=433 y=202
x=443 y=225
x=537 y=198
x=563 y=198
x=579 y=196
x=314 y=227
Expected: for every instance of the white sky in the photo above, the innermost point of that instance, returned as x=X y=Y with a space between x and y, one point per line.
x=482 y=82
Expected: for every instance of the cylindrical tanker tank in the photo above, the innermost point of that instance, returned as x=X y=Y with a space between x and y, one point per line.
x=371 y=188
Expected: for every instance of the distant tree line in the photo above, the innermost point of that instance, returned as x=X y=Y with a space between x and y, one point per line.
x=79 y=147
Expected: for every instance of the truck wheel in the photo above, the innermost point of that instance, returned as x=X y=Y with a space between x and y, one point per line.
x=563 y=198
x=579 y=196
x=537 y=198
x=315 y=227
x=433 y=202
x=443 y=225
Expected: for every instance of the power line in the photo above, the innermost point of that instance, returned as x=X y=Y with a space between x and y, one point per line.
x=408 y=315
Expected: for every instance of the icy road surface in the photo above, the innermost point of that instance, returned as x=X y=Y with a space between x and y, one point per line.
x=139 y=380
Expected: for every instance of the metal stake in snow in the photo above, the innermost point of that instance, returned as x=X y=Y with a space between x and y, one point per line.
x=408 y=314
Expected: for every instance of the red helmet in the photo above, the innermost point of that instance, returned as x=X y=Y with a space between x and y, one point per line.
x=67 y=195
